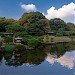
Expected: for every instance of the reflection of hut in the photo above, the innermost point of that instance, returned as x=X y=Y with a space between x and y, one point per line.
x=50 y=33
x=7 y=34
x=17 y=40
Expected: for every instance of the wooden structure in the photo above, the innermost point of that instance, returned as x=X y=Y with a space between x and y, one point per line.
x=50 y=33
x=17 y=40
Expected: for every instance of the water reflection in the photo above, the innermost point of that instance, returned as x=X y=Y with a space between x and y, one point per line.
x=28 y=57
x=61 y=53
x=67 y=60
x=1 y=57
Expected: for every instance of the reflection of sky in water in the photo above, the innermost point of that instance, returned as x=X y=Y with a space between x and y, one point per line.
x=67 y=60
x=54 y=68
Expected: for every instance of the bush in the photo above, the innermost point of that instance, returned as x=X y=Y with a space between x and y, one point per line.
x=8 y=48
x=8 y=39
x=33 y=42
x=1 y=33
x=26 y=38
x=20 y=46
x=0 y=43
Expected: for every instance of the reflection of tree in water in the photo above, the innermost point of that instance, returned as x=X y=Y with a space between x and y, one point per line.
x=32 y=57
x=37 y=56
x=1 y=56
x=60 y=48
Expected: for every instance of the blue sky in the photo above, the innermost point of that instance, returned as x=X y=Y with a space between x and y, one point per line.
x=14 y=9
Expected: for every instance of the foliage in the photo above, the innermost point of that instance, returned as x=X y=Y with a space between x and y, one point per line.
x=57 y=23
x=4 y=22
x=0 y=43
x=1 y=33
x=20 y=46
x=39 y=28
x=35 y=23
x=8 y=48
x=22 y=34
x=71 y=26
x=29 y=18
x=8 y=39
x=14 y=28
x=33 y=42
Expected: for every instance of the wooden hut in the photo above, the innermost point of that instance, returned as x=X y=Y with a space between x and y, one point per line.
x=50 y=33
x=17 y=40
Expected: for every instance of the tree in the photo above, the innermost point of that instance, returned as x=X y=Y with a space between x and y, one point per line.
x=4 y=22
x=57 y=23
x=8 y=39
x=71 y=26
x=39 y=28
x=29 y=18
x=14 y=29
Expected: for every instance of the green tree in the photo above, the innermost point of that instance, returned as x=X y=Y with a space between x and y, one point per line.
x=57 y=23
x=39 y=28
x=14 y=29
x=4 y=22
x=29 y=18
x=8 y=39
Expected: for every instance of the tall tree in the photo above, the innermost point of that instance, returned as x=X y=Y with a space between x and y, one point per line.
x=29 y=18
x=40 y=27
x=14 y=29
x=57 y=23
x=4 y=22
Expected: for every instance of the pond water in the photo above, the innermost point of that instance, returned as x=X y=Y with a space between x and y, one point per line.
x=56 y=59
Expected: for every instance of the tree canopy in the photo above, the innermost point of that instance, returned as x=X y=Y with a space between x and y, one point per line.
x=29 y=18
x=35 y=23
x=57 y=23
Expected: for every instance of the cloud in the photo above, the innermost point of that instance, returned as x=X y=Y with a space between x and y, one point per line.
x=29 y=7
x=51 y=58
x=67 y=60
x=66 y=11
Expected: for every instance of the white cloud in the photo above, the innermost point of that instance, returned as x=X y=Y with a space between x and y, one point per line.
x=66 y=12
x=67 y=60
x=29 y=7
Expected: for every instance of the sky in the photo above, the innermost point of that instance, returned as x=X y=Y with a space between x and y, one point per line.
x=64 y=9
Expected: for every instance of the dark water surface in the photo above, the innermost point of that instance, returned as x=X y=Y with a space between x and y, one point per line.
x=56 y=59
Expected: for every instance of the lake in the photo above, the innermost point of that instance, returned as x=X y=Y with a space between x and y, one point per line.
x=57 y=59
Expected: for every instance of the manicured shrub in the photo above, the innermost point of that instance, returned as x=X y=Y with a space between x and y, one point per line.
x=8 y=48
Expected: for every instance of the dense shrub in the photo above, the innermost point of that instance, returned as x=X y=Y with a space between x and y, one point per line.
x=0 y=43
x=20 y=46
x=33 y=42
x=8 y=39
x=8 y=48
